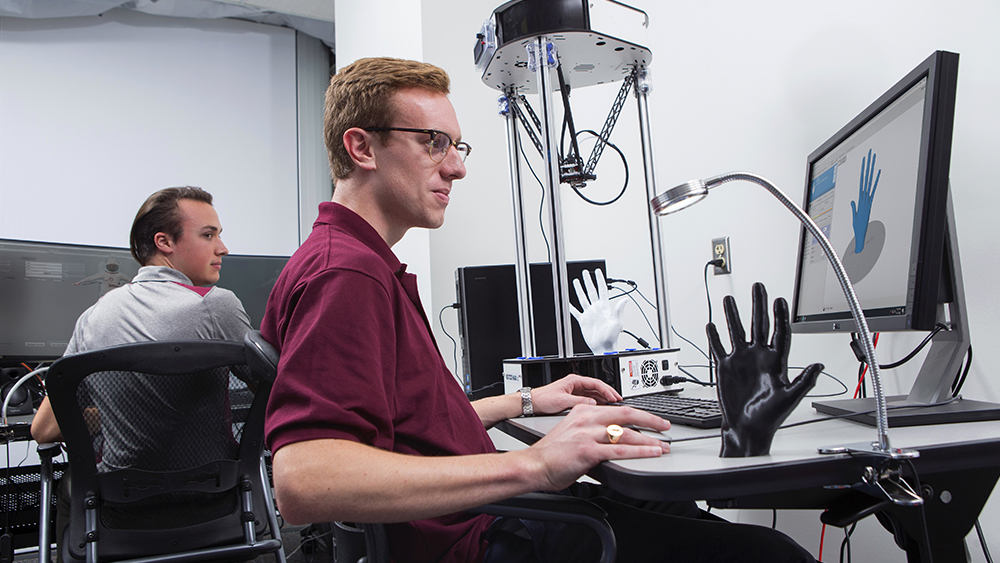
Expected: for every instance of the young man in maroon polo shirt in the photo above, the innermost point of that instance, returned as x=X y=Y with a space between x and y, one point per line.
x=365 y=421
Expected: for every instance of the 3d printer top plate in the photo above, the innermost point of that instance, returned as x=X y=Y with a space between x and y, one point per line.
x=587 y=58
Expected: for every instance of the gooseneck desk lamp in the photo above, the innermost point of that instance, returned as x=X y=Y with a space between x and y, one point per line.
x=689 y=193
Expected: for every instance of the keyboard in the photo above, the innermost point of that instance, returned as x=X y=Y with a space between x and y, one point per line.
x=688 y=411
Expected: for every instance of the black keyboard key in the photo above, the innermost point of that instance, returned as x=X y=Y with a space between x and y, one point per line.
x=687 y=411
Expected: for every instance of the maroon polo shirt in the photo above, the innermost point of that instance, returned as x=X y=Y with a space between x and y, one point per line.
x=359 y=362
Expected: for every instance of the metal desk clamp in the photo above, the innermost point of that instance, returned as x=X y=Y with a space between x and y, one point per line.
x=889 y=482
x=878 y=490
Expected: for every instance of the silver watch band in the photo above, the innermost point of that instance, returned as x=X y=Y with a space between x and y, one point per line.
x=527 y=408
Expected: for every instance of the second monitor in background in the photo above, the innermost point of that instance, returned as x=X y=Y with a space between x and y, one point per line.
x=489 y=322
x=45 y=286
x=251 y=279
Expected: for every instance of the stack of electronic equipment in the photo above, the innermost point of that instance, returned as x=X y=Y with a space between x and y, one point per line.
x=646 y=379
x=488 y=328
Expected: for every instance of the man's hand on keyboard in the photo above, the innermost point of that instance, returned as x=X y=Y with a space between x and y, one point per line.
x=754 y=391
x=571 y=390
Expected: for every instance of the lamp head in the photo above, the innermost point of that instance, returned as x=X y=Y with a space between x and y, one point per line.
x=679 y=197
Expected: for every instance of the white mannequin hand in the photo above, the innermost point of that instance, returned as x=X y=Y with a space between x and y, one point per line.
x=600 y=319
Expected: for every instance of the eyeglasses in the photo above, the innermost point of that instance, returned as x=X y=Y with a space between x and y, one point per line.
x=437 y=146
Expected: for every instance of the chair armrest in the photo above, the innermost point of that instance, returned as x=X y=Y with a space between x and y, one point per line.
x=49 y=450
x=559 y=508
x=544 y=506
x=531 y=506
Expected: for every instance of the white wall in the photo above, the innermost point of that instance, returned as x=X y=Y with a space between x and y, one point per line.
x=96 y=113
x=388 y=28
x=738 y=86
x=99 y=112
x=313 y=64
x=754 y=86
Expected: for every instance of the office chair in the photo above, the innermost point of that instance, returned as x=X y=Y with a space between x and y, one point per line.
x=165 y=443
x=368 y=543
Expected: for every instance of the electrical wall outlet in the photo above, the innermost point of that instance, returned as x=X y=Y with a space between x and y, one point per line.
x=720 y=249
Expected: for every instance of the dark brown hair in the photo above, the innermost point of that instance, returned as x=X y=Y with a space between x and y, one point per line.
x=158 y=214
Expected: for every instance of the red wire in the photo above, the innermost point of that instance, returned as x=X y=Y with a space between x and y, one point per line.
x=29 y=369
x=864 y=370
x=822 y=533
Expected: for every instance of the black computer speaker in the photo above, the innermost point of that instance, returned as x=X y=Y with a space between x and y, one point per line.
x=25 y=398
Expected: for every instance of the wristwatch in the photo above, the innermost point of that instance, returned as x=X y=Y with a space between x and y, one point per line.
x=527 y=409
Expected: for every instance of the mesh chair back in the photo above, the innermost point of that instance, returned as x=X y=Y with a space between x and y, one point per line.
x=156 y=422
x=164 y=442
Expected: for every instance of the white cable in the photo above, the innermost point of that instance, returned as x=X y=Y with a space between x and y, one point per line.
x=6 y=400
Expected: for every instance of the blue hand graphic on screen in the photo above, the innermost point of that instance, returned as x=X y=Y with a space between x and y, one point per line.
x=861 y=212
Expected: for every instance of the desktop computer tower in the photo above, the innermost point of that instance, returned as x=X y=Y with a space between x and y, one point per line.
x=489 y=325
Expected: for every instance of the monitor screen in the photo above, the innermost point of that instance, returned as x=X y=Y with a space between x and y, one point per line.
x=877 y=190
x=45 y=286
x=251 y=279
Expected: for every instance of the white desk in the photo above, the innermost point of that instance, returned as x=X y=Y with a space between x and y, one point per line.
x=958 y=467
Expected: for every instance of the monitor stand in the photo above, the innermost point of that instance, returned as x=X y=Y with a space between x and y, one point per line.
x=929 y=399
x=919 y=414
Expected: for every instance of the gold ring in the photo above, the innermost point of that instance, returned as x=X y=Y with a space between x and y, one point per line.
x=615 y=433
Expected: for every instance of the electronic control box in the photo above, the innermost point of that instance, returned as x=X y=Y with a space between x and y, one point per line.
x=630 y=372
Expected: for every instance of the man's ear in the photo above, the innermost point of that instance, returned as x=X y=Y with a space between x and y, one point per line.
x=164 y=243
x=358 y=144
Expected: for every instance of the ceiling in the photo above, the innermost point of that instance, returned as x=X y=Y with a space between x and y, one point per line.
x=321 y=10
x=312 y=17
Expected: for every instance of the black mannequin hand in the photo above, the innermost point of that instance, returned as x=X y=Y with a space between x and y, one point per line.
x=753 y=387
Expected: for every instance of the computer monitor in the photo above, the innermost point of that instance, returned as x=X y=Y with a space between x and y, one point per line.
x=489 y=321
x=251 y=279
x=878 y=189
x=45 y=286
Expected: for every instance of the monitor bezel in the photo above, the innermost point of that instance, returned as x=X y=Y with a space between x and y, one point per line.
x=926 y=288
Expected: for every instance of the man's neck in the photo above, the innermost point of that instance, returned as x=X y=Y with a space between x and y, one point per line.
x=348 y=196
x=159 y=260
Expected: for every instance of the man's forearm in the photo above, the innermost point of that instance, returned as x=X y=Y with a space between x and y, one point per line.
x=492 y=410
x=327 y=480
